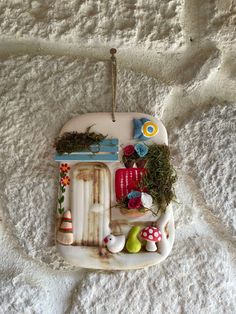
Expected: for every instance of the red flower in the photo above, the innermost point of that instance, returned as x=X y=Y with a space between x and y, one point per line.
x=128 y=150
x=64 y=167
x=134 y=203
x=65 y=181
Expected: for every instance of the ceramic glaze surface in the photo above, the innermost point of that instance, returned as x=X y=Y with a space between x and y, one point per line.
x=90 y=188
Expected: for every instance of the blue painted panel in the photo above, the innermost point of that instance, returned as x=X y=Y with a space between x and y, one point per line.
x=111 y=141
x=104 y=149
x=86 y=157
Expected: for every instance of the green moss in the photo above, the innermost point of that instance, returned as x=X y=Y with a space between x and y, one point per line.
x=160 y=176
x=76 y=142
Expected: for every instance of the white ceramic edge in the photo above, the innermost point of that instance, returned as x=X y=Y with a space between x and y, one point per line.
x=73 y=125
x=88 y=257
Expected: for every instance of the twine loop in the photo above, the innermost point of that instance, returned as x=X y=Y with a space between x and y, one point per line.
x=114 y=81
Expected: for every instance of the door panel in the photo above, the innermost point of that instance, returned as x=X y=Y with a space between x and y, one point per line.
x=90 y=203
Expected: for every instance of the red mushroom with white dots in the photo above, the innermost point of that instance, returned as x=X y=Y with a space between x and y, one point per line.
x=151 y=235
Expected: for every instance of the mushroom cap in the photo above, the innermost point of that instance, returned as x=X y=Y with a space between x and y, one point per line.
x=152 y=234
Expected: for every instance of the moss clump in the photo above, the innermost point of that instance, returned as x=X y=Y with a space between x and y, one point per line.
x=76 y=142
x=160 y=176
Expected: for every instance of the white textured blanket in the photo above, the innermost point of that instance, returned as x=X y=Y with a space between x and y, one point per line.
x=176 y=60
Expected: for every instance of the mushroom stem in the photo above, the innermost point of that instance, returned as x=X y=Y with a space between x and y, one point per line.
x=151 y=246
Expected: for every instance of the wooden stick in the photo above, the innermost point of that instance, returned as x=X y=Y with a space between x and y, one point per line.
x=86 y=211
x=96 y=200
x=106 y=213
x=77 y=209
x=101 y=193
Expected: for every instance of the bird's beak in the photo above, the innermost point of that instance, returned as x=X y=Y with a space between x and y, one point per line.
x=105 y=240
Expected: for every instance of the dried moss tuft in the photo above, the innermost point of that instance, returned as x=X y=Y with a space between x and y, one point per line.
x=76 y=142
x=160 y=176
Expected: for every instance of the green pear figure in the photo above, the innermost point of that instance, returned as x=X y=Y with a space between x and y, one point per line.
x=133 y=245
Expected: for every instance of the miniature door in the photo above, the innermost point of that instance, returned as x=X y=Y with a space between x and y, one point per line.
x=115 y=190
x=90 y=203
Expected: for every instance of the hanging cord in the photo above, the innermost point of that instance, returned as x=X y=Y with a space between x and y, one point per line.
x=114 y=81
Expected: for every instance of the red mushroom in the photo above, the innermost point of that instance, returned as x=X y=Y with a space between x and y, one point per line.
x=151 y=235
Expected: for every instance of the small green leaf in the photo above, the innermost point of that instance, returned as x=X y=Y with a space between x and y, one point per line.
x=61 y=210
x=61 y=199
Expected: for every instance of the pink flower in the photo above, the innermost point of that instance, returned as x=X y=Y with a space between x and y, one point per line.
x=128 y=150
x=134 y=203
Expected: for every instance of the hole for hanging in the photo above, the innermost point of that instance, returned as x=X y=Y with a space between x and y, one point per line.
x=112 y=51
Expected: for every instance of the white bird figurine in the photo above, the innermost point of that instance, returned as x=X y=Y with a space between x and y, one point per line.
x=114 y=244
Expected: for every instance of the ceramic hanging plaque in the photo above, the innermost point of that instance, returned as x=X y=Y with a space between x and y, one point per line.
x=115 y=189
